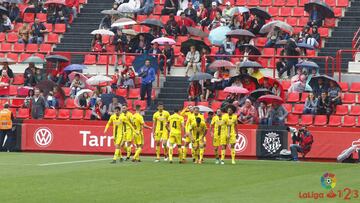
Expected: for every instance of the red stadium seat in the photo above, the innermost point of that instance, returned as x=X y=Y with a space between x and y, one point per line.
x=67 y=91
x=12 y=56
x=279 y=2
x=269 y=51
x=6 y=47
x=45 y=48
x=129 y=60
x=18 y=80
x=221 y=95
x=288 y=107
x=24 y=56
x=338 y=12
x=13 y=90
x=253 y=3
x=41 y=17
x=189 y=103
x=87 y=114
x=291 y=21
x=3 y=102
x=29 y=17
x=303 y=21
x=265 y=3
x=50 y=114
x=103 y=59
x=273 y=11
x=89 y=59
x=342 y=109
x=70 y=103
x=260 y=41
x=77 y=114
x=17 y=102
x=205 y=103
x=64 y=114
x=141 y=18
x=121 y=92
x=23 y=113
x=349 y=121
x=324 y=32
x=298 y=109
x=293 y=97
x=320 y=120
x=306 y=120
x=292 y=119
x=298 y=11
x=142 y=104
x=32 y=48
x=355 y=110
x=303 y=2
x=52 y=38
x=304 y=95
x=49 y=26
x=355 y=87
x=134 y=93
x=334 y=121
x=12 y=37
x=157 y=10
x=348 y=98
x=330 y=22
x=344 y=86
x=331 y=3
x=17 y=26
x=292 y=3
x=2 y=36
x=286 y=84
x=60 y=28
x=19 y=48
x=215 y=105
x=129 y=103
x=13 y=111
x=285 y=11
x=342 y=3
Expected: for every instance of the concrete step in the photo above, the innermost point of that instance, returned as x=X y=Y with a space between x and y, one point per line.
x=176 y=84
x=173 y=90
x=171 y=101
x=173 y=95
x=76 y=40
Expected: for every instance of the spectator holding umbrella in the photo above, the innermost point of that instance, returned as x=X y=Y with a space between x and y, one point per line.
x=97 y=44
x=304 y=34
x=277 y=115
x=291 y=49
x=6 y=24
x=76 y=85
x=249 y=85
x=311 y=104
x=120 y=41
x=170 y=7
x=84 y=100
x=38 y=105
x=256 y=24
x=172 y=27
x=229 y=46
x=334 y=94
x=147 y=74
x=320 y=87
x=29 y=75
x=263 y=112
x=168 y=51
x=305 y=140
x=194 y=91
x=247 y=113
x=315 y=17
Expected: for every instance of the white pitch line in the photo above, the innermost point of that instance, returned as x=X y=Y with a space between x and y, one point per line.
x=73 y=162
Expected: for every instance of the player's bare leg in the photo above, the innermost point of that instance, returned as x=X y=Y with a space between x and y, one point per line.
x=128 y=150
x=136 y=157
x=117 y=153
x=232 y=153
x=216 y=152
x=157 y=148
x=201 y=154
x=184 y=152
x=166 y=150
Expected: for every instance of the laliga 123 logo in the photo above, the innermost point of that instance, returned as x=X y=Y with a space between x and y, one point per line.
x=328 y=181
x=43 y=137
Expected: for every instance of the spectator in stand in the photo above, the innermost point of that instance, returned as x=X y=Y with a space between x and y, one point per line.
x=155 y=50
x=76 y=86
x=291 y=49
x=39 y=7
x=63 y=15
x=266 y=84
x=230 y=99
x=216 y=22
x=172 y=27
x=226 y=13
x=99 y=111
x=191 y=60
x=105 y=22
x=263 y=112
x=299 y=86
x=39 y=76
x=28 y=98
x=213 y=11
x=120 y=41
x=24 y=34
x=311 y=104
x=73 y=6
x=142 y=45
x=194 y=91
x=314 y=37
x=146 y=8
x=97 y=44
x=273 y=36
x=38 y=29
x=51 y=101
x=112 y=105
x=183 y=23
x=229 y=46
x=170 y=7
x=235 y=23
x=208 y=91
x=6 y=24
x=277 y=115
x=51 y=14
x=8 y=71
x=247 y=113
x=320 y=88
x=115 y=79
x=29 y=75
x=190 y=12
x=84 y=100
x=315 y=17
x=304 y=34
x=170 y=58
x=95 y=97
x=221 y=54
x=219 y=79
x=296 y=78
x=130 y=7
x=237 y=83
x=334 y=93
x=14 y=13
x=147 y=75
x=202 y=16
x=127 y=77
x=156 y=31
x=249 y=85
x=4 y=79
x=38 y=105
x=60 y=98
x=324 y=105
x=256 y=25
x=276 y=89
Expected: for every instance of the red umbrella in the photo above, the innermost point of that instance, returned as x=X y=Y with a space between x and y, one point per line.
x=272 y=81
x=236 y=90
x=270 y=99
x=221 y=63
x=55 y=2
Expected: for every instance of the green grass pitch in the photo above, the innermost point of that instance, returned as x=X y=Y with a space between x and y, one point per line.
x=37 y=177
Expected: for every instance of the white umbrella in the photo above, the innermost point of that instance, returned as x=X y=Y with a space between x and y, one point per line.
x=277 y=23
x=6 y=60
x=97 y=80
x=129 y=32
x=163 y=40
x=123 y=22
x=81 y=92
x=204 y=108
x=102 y=32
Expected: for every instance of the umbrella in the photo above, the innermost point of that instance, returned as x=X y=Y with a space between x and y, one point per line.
x=81 y=92
x=13 y=1
x=6 y=60
x=185 y=46
x=271 y=81
x=83 y=78
x=107 y=99
x=200 y=76
x=56 y=58
x=139 y=62
x=259 y=92
x=314 y=80
x=152 y=23
x=280 y=24
x=129 y=32
x=236 y=90
x=54 y=2
x=110 y=12
x=305 y=46
x=204 y=108
x=75 y=67
x=34 y=59
x=197 y=32
x=307 y=64
x=250 y=64
x=164 y=40
x=270 y=99
x=242 y=77
x=123 y=22
x=97 y=80
x=260 y=12
x=221 y=63
x=281 y=43
x=102 y=32
x=240 y=33
x=217 y=36
x=252 y=48
x=47 y=85
x=325 y=9
x=239 y=10
x=3 y=10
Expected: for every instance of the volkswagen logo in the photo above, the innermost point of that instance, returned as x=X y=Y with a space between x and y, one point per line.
x=43 y=137
x=241 y=143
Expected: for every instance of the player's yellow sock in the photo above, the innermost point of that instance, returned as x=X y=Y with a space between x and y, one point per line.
x=193 y=153
x=137 y=153
x=157 y=148
x=233 y=154
x=125 y=148
x=202 y=153
x=128 y=150
x=171 y=150
x=223 y=154
x=180 y=153
x=184 y=153
x=166 y=150
x=116 y=154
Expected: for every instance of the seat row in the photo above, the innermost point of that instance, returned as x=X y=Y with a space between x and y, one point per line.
x=341 y=110
x=321 y=120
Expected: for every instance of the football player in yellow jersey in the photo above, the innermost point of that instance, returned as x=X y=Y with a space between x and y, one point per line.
x=175 y=127
x=232 y=132
x=128 y=131
x=139 y=124
x=117 y=120
x=219 y=132
x=160 y=133
x=198 y=133
x=187 y=112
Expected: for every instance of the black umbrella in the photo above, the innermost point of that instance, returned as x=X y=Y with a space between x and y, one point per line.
x=252 y=49
x=250 y=64
x=260 y=12
x=242 y=77
x=259 y=92
x=135 y=41
x=56 y=58
x=281 y=43
x=197 y=32
x=107 y=99
x=47 y=85
x=314 y=80
x=322 y=7
x=185 y=46
x=152 y=23
x=240 y=33
x=3 y=10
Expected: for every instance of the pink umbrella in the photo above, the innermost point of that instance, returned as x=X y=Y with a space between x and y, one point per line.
x=221 y=63
x=83 y=78
x=163 y=40
x=236 y=90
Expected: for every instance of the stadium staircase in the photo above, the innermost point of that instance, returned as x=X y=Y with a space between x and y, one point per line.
x=173 y=94
x=78 y=39
x=342 y=35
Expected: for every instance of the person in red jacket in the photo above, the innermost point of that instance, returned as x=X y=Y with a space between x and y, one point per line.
x=185 y=22
x=305 y=141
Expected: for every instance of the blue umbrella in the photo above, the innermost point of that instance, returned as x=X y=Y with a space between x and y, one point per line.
x=307 y=64
x=305 y=46
x=75 y=67
x=218 y=36
x=139 y=62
